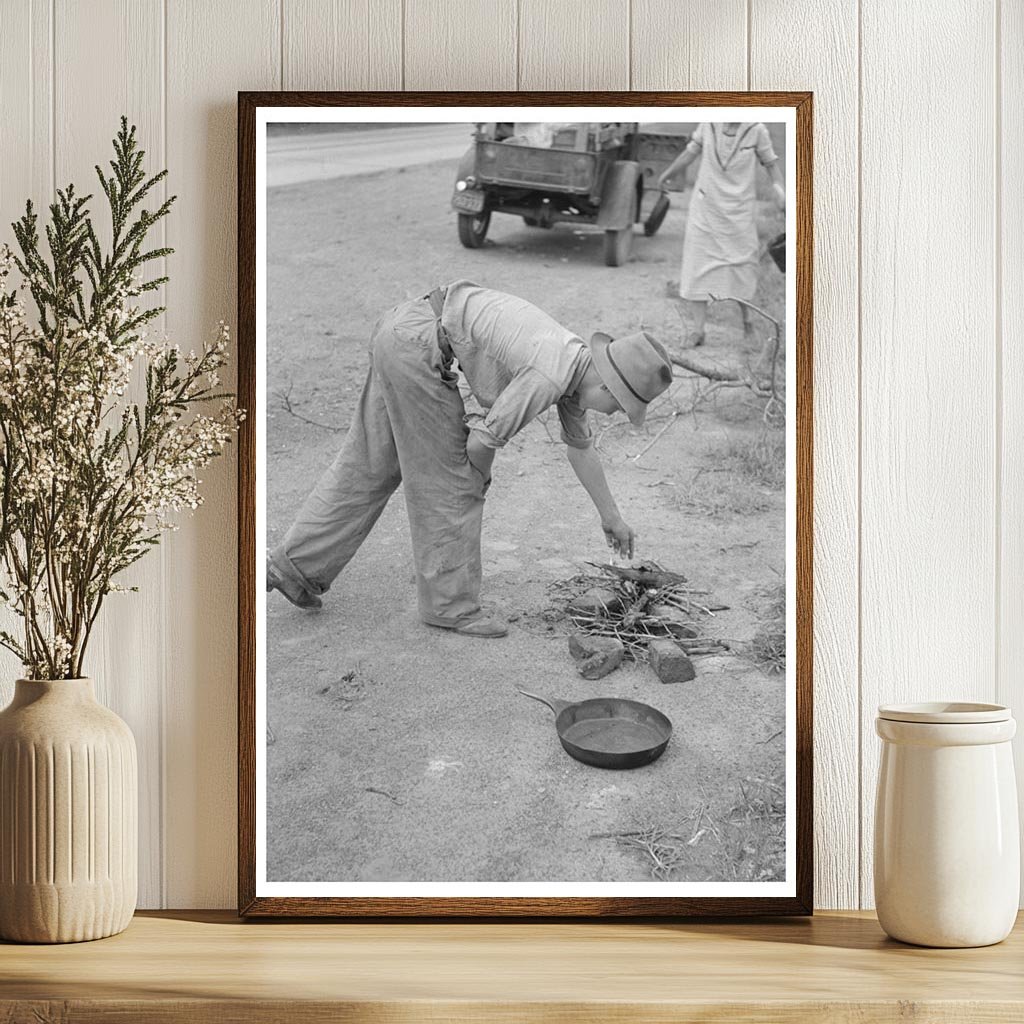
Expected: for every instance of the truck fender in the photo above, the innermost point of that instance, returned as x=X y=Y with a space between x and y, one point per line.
x=618 y=197
x=467 y=165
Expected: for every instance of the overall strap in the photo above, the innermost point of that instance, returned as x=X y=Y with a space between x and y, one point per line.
x=436 y=300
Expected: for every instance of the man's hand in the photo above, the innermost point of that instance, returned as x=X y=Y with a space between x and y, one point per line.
x=480 y=456
x=620 y=537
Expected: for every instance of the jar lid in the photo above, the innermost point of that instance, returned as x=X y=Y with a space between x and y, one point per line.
x=945 y=713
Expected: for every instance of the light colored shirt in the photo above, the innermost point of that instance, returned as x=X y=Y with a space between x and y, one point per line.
x=517 y=360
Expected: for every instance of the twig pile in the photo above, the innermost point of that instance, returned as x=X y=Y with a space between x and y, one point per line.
x=633 y=619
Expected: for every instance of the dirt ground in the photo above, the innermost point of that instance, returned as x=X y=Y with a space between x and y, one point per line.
x=404 y=753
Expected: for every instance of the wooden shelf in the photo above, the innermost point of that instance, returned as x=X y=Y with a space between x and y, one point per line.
x=203 y=967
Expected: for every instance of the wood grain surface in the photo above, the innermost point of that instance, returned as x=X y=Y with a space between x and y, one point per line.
x=204 y=967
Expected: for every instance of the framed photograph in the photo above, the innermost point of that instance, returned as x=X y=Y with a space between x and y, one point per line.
x=525 y=504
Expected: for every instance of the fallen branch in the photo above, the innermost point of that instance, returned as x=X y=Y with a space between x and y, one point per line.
x=286 y=404
x=763 y=385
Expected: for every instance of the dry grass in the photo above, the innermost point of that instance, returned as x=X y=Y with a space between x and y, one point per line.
x=742 y=842
x=720 y=492
x=761 y=462
x=767 y=649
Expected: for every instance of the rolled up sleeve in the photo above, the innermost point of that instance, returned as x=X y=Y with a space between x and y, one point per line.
x=576 y=431
x=527 y=395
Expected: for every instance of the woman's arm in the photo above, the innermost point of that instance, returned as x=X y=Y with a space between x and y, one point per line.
x=587 y=466
x=684 y=159
x=778 y=183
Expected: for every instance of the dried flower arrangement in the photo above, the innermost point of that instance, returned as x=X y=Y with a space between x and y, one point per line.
x=89 y=477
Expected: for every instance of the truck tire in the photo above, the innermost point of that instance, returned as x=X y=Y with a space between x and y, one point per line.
x=533 y=222
x=473 y=228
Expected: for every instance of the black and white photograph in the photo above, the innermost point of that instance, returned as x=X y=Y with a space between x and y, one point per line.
x=525 y=489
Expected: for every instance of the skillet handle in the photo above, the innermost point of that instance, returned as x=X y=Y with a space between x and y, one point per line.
x=558 y=706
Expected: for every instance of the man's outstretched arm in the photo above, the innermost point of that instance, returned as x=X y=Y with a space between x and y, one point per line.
x=587 y=466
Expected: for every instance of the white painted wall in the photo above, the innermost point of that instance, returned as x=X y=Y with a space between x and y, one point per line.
x=919 y=467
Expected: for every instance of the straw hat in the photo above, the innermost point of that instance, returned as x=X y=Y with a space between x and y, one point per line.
x=635 y=369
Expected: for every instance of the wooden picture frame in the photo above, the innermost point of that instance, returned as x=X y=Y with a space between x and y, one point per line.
x=798 y=897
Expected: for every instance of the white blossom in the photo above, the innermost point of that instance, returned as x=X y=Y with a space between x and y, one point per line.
x=91 y=467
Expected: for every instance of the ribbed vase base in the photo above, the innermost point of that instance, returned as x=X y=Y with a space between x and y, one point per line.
x=63 y=913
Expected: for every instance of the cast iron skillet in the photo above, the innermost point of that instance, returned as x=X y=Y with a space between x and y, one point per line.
x=609 y=732
x=657 y=214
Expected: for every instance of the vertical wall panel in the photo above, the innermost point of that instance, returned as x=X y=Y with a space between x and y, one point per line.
x=468 y=45
x=90 y=95
x=213 y=50
x=342 y=44
x=574 y=44
x=26 y=172
x=1010 y=220
x=831 y=72
x=26 y=101
x=939 y=617
x=697 y=44
x=928 y=526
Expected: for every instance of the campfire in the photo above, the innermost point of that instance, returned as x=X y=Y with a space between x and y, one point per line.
x=639 y=604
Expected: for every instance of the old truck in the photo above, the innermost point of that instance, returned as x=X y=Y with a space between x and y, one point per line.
x=587 y=173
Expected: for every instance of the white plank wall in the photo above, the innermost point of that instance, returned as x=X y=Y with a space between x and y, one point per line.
x=472 y=44
x=1009 y=273
x=26 y=129
x=831 y=72
x=341 y=44
x=130 y=34
x=574 y=44
x=919 y=300
x=701 y=44
x=928 y=514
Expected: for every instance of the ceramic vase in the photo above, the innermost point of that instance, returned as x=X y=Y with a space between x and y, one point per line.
x=947 y=847
x=68 y=815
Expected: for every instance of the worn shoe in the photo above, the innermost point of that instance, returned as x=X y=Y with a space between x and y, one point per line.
x=299 y=596
x=488 y=624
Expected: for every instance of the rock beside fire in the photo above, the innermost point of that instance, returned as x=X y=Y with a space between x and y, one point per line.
x=595 y=656
x=670 y=662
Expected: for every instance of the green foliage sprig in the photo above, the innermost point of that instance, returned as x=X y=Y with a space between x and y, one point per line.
x=90 y=477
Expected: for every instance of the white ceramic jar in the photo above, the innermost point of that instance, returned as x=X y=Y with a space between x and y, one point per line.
x=947 y=847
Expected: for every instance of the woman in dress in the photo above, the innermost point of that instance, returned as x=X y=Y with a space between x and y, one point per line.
x=720 y=250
